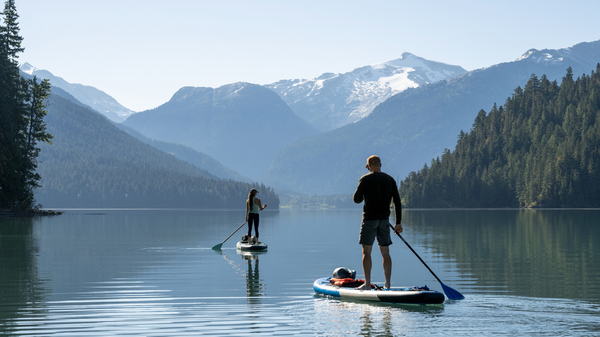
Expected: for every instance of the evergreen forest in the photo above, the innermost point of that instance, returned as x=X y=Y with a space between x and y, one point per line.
x=22 y=126
x=541 y=149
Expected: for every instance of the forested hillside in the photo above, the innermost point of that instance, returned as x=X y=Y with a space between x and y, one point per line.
x=541 y=149
x=189 y=155
x=92 y=163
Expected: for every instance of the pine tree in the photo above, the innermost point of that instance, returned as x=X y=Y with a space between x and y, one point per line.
x=37 y=94
x=22 y=109
x=11 y=121
x=10 y=31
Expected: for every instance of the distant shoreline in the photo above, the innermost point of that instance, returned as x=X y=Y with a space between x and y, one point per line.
x=5 y=213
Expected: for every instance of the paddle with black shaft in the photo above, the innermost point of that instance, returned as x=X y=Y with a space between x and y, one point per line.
x=218 y=247
x=450 y=293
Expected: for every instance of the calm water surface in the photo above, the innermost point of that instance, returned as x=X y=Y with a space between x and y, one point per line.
x=153 y=273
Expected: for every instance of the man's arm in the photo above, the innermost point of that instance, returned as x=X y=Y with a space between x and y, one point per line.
x=397 y=207
x=359 y=196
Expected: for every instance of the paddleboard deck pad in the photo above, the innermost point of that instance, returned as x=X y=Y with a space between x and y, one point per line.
x=252 y=247
x=415 y=295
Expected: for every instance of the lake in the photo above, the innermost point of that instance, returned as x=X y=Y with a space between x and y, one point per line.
x=153 y=273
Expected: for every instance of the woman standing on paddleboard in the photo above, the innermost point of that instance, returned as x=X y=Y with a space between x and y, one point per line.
x=253 y=206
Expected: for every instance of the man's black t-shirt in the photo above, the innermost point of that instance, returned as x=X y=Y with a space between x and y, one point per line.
x=378 y=189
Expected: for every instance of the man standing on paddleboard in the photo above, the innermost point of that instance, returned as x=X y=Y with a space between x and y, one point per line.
x=377 y=189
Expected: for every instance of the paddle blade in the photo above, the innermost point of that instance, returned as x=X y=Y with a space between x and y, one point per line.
x=217 y=247
x=451 y=293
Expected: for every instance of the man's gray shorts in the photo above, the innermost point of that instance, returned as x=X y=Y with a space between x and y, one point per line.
x=370 y=229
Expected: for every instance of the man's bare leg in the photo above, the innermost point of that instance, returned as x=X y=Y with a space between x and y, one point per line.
x=366 y=264
x=387 y=265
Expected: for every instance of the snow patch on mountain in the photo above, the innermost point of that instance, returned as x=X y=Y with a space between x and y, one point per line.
x=398 y=82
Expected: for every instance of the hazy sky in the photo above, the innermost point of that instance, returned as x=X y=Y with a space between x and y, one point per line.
x=142 y=51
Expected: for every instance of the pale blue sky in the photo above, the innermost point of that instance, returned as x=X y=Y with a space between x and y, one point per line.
x=142 y=51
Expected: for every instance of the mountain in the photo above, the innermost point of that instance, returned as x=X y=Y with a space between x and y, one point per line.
x=415 y=126
x=241 y=125
x=93 y=163
x=90 y=96
x=334 y=100
x=198 y=159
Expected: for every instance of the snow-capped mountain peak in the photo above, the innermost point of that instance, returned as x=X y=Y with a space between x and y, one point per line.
x=333 y=100
x=405 y=60
x=94 y=98
x=544 y=56
x=28 y=69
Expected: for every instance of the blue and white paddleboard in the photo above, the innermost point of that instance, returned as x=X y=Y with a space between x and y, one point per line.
x=413 y=295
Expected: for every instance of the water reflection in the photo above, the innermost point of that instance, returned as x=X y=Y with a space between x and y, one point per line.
x=369 y=326
x=542 y=253
x=254 y=285
x=153 y=273
x=20 y=285
x=372 y=319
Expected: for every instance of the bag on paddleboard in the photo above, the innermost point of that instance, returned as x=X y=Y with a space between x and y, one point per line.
x=343 y=272
x=346 y=277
